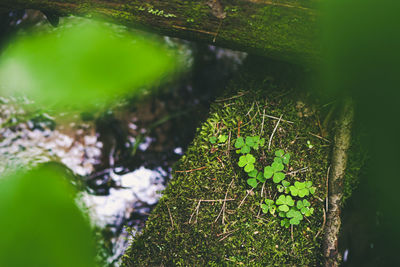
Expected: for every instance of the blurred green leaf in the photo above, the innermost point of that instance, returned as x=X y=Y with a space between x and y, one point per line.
x=40 y=224
x=81 y=65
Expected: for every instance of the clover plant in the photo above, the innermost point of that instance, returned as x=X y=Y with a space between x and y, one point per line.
x=247 y=161
x=295 y=216
x=244 y=145
x=290 y=210
x=284 y=202
x=221 y=139
x=302 y=189
x=268 y=206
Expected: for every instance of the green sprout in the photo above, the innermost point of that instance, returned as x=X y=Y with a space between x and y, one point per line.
x=285 y=222
x=247 y=161
x=284 y=187
x=268 y=206
x=304 y=207
x=281 y=157
x=295 y=216
x=309 y=145
x=302 y=189
x=284 y=202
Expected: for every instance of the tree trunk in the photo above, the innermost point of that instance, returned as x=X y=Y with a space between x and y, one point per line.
x=281 y=29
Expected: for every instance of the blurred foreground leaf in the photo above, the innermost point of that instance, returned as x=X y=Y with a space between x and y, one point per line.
x=40 y=225
x=81 y=65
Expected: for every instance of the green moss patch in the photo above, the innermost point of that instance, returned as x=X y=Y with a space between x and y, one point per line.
x=209 y=215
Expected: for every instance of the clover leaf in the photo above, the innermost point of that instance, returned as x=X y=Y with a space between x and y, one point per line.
x=213 y=139
x=310 y=187
x=247 y=161
x=299 y=189
x=244 y=145
x=222 y=138
x=252 y=182
x=281 y=157
x=304 y=207
x=275 y=171
x=295 y=216
x=255 y=175
x=284 y=187
x=285 y=223
x=268 y=206
x=284 y=202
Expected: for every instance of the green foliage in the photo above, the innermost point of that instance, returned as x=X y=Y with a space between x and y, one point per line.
x=81 y=66
x=285 y=204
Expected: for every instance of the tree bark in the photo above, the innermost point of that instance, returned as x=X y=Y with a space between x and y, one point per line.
x=281 y=29
x=336 y=179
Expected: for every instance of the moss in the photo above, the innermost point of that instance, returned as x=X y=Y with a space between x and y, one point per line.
x=179 y=234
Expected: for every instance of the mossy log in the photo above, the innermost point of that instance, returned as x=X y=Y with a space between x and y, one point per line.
x=281 y=29
x=210 y=216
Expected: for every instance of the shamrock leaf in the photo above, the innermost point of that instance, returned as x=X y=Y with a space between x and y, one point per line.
x=268 y=206
x=295 y=216
x=299 y=189
x=278 y=177
x=252 y=182
x=284 y=202
x=268 y=172
x=213 y=139
x=247 y=161
x=239 y=142
x=222 y=138
x=281 y=157
x=279 y=153
x=285 y=223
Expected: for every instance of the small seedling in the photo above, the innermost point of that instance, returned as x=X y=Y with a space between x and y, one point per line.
x=304 y=207
x=285 y=222
x=281 y=157
x=295 y=216
x=254 y=176
x=284 y=187
x=309 y=145
x=268 y=206
x=247 y=161
x=284 y=202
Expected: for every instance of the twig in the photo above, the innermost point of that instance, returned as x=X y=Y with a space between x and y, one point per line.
x=276 y=118
x=240 y=94
x=248 y=192
x=229 y=143
x=212 y=200
x=192 y=170
x=273 y=132
x=322 y=227
x=262 y=124
x=196 y=210
x=224 y=205
x=251 y=108
x=228 y=234
x=170 y=216
x=291 y=232
x=320 y=137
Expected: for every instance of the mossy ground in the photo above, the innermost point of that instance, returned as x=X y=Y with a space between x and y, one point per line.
x=191 y=225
